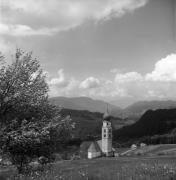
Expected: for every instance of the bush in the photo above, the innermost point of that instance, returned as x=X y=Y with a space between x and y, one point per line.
x=30 y=141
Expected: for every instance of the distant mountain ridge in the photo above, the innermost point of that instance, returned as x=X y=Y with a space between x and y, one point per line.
x=153 y=117
x=139 y=108
x=133 y=112
x=84 y=103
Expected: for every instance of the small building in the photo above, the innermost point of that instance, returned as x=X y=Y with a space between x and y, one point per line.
x=142 y=145
x=116 y=154
x=133 y=146
x=103 y=147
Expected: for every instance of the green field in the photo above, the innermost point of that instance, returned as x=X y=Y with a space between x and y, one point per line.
x=122 y=168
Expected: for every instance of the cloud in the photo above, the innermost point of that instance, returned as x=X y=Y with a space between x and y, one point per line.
x=31 y=17
x=59 y=81
x=62 y=85
x=165 y=70
x=158 y=84
x=23 y=30
x=128 y=77
x=90 y=83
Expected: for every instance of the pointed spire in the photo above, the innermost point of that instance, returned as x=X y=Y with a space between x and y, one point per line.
x=106 y=115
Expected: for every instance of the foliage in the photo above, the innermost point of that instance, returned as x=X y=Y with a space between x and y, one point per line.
x=31 y=127
x=34 y=140
x=23 y=90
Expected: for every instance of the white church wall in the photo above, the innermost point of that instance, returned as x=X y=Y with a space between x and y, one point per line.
x=92 y=155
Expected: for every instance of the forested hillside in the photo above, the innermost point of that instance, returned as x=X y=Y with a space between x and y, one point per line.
x=88 y=124
x=158 y=122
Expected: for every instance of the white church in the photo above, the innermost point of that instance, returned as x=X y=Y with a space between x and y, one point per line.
x=102 y=147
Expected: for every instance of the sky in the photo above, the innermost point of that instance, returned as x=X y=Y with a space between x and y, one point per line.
x=104 y=49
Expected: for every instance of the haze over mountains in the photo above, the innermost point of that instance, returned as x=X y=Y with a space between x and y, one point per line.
x=139 y=108
x=133 y=111
x=84 y=103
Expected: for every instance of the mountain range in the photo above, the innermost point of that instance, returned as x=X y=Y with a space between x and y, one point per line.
x=133 y=112
x=139 y=108
x=143 y=119
x=84 y=103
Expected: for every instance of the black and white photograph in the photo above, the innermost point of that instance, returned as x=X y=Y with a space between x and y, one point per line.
x=87 y=89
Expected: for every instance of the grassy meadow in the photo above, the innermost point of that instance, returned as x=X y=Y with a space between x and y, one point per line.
x=122 y=168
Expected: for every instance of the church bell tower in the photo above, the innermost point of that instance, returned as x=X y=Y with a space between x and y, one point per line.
x=107 y=135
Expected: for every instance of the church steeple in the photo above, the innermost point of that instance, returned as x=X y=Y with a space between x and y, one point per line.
x=107 y=134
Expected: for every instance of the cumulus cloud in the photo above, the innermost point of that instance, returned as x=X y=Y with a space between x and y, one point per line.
x=62 y=85
x=165 y=70
x=21 y=17
x=59 y=81
x=128 y=77
x=159 y=84
x=90 y=83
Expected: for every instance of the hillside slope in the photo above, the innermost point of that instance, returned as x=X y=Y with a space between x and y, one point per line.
x=159 y=122
x=139 y=108
x=151 y=150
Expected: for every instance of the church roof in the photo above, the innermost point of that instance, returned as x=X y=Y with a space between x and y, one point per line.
x=85 y=146
x=100 y=144
x=94 y=147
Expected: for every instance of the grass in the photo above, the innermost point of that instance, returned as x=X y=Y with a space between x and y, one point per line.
x=136 y=168
x=162 y=149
